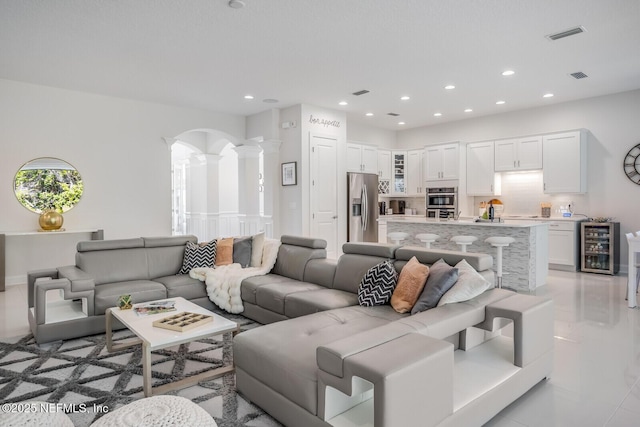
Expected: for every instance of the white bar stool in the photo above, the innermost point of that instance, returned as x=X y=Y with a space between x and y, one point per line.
x=464 y=241
x=397 y=237
x=427 y=239
x=499 y=242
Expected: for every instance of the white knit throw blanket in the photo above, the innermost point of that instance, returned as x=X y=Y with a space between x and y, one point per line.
x=223 y=282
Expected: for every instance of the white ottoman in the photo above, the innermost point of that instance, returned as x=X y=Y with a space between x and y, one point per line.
x=34 y=416
x=158 y=411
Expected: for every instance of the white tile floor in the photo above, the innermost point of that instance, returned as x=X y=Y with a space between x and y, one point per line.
x=596 y=377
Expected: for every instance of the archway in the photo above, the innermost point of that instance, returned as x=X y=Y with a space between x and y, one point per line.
x=219 y=184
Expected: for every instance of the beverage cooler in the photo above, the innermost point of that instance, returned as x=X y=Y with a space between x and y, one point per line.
x=600 y=247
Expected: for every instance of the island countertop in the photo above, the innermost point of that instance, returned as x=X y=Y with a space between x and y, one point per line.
x=525 y=260
x=407 y=219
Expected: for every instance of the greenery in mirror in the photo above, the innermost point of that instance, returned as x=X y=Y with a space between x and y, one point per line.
x=48 y=189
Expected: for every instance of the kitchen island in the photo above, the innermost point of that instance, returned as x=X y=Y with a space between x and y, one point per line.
x=525 y=262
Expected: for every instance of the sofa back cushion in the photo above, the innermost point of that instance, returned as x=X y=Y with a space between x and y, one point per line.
x=295 y=252
x=165 y=254
x=113 y=260
x=356 y=260
x=351 y=269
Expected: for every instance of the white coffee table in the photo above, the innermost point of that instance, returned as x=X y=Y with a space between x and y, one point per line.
x=154 y=338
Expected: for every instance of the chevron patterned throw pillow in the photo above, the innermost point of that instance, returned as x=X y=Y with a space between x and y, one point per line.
x=377 y=285
x=198 y=256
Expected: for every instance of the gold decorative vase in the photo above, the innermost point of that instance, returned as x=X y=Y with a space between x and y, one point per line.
x=51 y=220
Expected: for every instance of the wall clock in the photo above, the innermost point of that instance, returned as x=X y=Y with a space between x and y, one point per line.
x=632 y=164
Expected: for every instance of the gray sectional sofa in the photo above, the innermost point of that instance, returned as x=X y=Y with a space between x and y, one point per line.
x=321 y=359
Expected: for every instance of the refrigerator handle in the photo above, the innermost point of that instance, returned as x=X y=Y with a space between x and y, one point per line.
x=365 y=208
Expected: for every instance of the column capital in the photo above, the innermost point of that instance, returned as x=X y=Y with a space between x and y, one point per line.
x=247 y=151
x=170 y=142
x=271 y=146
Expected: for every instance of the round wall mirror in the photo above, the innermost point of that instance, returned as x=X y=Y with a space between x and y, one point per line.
x=48 y=183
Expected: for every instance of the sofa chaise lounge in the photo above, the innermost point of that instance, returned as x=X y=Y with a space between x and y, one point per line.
x=324 y=360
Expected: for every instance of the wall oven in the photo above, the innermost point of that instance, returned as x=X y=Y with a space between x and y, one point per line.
x=441 y=213
x=442 y=198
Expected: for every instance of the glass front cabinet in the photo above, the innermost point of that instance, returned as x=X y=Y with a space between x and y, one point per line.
x=600 y=248
x=399 y=173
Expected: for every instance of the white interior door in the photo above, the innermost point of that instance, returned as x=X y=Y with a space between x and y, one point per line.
x=324 y=192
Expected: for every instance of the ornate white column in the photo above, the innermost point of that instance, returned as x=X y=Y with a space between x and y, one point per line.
x=271 y=185
x=248 y=186
x=202 y=204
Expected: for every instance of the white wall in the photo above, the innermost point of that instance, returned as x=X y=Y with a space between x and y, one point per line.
x=116 y=145
x=290 y=208
x=614 y=126
x=382 y=138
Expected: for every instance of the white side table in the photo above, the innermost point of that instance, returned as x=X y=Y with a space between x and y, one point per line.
x=96 y=234
x=634 y=248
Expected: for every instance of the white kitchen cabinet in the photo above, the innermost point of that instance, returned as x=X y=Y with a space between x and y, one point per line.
x=441 y=162
x=398 y=173
x=563 y=244
x=481 y=177
x=518 y=154
x=382 y=232
x=565 y=162
x=362 y=158
x=415 y=186
x=384 y=165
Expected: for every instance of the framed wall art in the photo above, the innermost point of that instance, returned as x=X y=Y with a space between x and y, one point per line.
x=289 y=173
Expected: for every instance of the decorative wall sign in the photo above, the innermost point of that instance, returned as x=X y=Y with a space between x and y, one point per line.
x=289 y=173
x=323 y=122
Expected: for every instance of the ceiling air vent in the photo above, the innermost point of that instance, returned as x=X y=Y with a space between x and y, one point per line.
x=393 y=114
x=360 y=92
x=578 y=75
x=566 y=33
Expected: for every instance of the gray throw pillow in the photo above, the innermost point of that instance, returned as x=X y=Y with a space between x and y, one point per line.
x=203 y=255
x=242 y=250
x=377 y=285
x=441 y=278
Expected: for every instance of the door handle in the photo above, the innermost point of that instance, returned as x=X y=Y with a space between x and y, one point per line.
x=335 y=217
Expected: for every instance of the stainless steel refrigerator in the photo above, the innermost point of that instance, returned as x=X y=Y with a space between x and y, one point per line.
x=362 y=193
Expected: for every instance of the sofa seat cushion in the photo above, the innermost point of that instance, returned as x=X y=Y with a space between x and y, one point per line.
x=181 y=285
x=250 y=285
x=308 y=302
x=273 y=296
x=140 y=290
x=282 y=355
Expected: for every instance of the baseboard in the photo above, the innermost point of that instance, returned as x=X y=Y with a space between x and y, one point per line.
x=15 y=280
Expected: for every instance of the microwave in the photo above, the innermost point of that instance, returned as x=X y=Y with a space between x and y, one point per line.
x=442 y=198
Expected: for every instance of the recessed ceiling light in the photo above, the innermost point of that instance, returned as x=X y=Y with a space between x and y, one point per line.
x=401 y=123
x=449 y=87
x=404 y=98
x=369 y=114
x=270 y=101
x=437 y=114
x=468 y=110
x=547 y=95
x=500 y=102
x=236 y=4
x=248 y=97
x=343 y=103
x=508 y=73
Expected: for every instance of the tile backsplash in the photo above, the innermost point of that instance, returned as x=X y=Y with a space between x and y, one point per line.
x=522 y=193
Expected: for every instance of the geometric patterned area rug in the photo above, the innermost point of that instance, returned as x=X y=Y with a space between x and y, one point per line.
x=82 y=376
